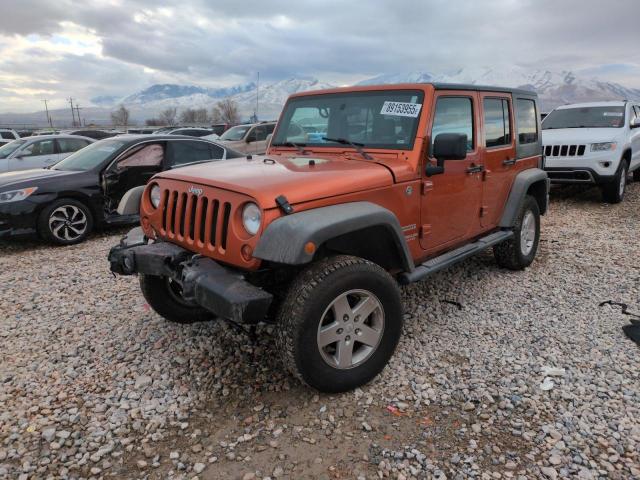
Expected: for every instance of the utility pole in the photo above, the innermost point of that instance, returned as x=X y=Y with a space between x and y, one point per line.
x=46 y=109
x=73 y=115
x=78 y=112
x=257 y=95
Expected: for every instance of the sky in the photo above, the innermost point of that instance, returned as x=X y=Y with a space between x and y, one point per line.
x=57 y=49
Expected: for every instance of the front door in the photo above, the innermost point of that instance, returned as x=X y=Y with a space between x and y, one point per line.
x=450 y=210
x=39 y=154
x=499 y=155
x=133 y=169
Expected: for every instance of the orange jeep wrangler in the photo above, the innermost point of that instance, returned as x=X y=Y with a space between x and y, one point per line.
x=361 y=189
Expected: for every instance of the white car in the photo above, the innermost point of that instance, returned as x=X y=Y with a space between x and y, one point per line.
x=40 y=151
x=8 y=135
x=594 y=143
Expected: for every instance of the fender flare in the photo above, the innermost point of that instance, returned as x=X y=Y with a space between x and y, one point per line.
x=284 y=239
x=519 y=189
x=130 y=201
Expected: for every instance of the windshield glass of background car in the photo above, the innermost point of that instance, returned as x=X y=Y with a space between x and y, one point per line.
x=236 y=133
x=91 y=156
x=585 y=117
x=380 y=119
x=11 y=147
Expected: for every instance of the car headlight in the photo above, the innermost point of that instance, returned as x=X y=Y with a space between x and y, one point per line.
x=603 y=147
x=154 y=195
x=251 y=218
x=16 y=195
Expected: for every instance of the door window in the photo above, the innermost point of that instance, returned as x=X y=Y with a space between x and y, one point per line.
x=69 y=145
x=184 y=152
x=143 y=156
x=43 y=147
x=527 y=121
x=497 y=128
x=7 y=135
x=454 y=115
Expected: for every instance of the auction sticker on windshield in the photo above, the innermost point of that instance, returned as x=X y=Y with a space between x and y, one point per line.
x=401 y=109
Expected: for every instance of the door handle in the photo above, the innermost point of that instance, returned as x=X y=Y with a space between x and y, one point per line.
x=509 y=161
x=475 y=168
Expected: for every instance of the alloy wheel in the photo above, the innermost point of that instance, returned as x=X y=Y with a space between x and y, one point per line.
x=350 y=329
x=527 y=233
x=68 y=223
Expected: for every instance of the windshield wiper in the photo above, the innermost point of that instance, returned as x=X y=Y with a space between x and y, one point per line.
x=291 y=144
x=356 y=145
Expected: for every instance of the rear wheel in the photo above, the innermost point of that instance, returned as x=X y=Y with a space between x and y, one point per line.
x=339 y=323
x=518 y=252
x=613 y=192
x=165 y=297
x=65 y=222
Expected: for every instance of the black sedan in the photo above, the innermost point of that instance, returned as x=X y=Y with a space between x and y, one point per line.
x=65 y=202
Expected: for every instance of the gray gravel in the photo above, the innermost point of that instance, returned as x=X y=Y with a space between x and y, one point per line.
x=528 y=379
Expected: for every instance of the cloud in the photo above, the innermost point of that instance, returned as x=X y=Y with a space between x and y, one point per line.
x=97 y=47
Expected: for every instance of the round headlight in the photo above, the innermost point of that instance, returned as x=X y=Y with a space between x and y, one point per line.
x=154 y=196
x=251 y=218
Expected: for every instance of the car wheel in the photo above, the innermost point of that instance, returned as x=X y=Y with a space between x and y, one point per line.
x=65 y=222
x=165 y=297
x=340 y=323
x=518 y=252
x=613 y=192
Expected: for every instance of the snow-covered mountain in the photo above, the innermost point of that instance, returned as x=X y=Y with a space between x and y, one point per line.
x=554 y=88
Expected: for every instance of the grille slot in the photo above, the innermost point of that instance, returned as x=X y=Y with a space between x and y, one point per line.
x=564 y=150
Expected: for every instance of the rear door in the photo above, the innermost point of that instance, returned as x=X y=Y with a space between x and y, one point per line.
x=67 y=146
x=499 y=148
x=450 y=210
x=38 y=154
x=132 y=169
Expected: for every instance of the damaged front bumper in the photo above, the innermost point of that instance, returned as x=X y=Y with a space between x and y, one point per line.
x=219 y=290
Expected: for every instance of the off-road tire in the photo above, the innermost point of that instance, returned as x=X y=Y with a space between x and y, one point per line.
x=301 y=312
x=157 y=294
x=510 y=254
x=47 y=224
x=611 y=191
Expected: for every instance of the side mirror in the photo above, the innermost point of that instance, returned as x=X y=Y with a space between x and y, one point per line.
x=447 y=146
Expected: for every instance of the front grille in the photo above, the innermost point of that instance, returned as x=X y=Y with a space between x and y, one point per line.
x=564 y=150
x=195 y=219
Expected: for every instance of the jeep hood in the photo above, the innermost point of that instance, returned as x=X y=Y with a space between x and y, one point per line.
x=579 y=136
x=300 y=179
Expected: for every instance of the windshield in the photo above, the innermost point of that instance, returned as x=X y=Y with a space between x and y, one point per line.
x=585 y=117
x=11 y=147
x=236 y=133
x=91 y=156
x=372 y=119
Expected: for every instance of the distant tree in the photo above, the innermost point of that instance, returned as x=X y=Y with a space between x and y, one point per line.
x=120 y=116
x=153 y=122
x=194 y=116
x=226 y=111
x=168 y=116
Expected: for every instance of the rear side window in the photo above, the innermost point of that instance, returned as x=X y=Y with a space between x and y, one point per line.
x=497 y=128
x=7 y=135
x=527 y=123
x=184 y=152
x=43 y=147
x=69 y=145
x=144 y=156
x=454 y=115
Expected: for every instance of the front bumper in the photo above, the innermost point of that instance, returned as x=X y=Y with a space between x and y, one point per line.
x=218 y=289
x=18 y=219
x=564 y=175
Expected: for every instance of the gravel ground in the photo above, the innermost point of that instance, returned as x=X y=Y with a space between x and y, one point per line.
x=94 y=384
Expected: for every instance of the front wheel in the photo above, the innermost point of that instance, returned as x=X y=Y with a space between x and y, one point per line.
x=340 y=323
x=613 y=192
x=518 y=252
x=65 y=222
x=165 y=297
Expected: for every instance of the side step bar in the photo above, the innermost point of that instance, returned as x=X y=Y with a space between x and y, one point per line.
x=454 y=256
